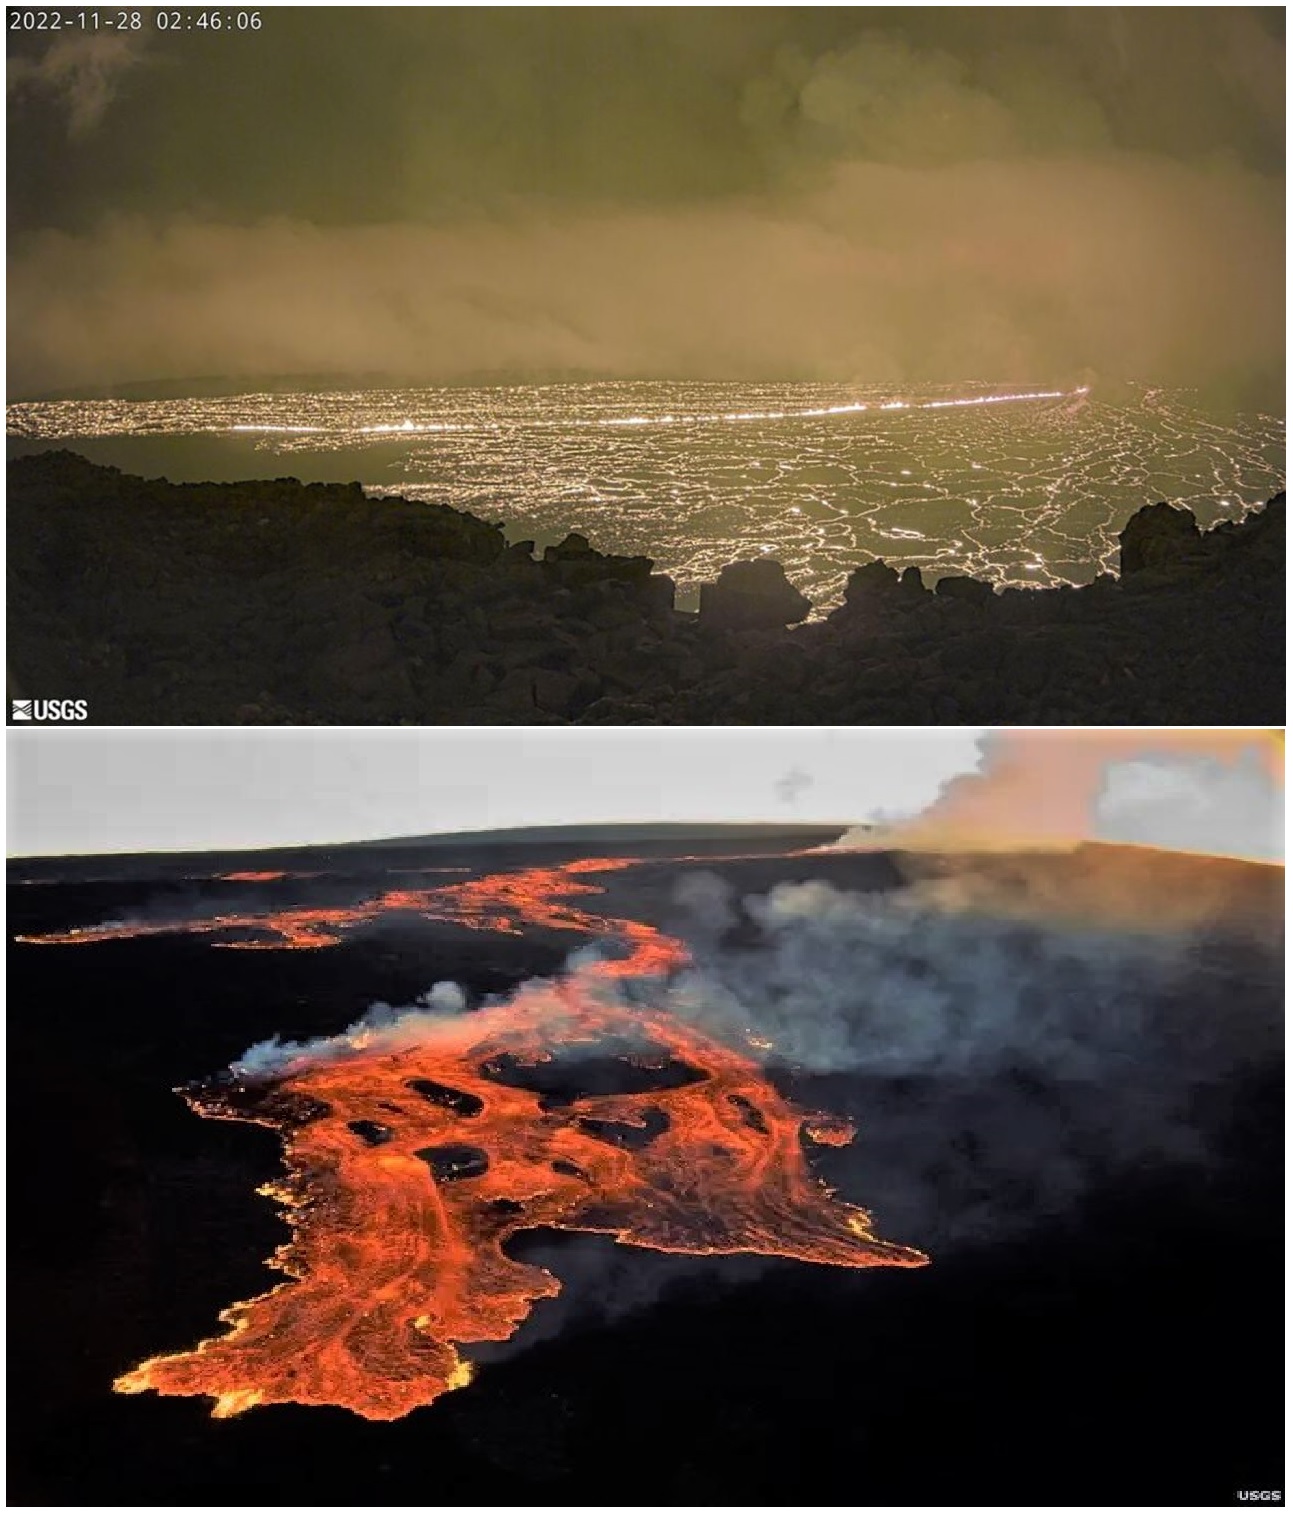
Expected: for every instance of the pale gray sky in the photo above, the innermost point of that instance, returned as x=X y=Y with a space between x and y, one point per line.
x=114 y=791
x=1194 y=801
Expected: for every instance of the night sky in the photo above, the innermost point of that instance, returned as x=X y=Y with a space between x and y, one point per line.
x=1052 y=196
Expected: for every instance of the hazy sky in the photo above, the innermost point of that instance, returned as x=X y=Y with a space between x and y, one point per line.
x=106 y=790
x=109 y=790
x=841 y=193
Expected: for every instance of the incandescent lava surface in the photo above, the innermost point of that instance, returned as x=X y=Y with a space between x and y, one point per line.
x=416 y=1150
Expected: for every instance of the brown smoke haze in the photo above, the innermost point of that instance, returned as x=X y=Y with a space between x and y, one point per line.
x=1205 y=791
x=1018 y=195
x=1040 y=272
x=1026 y=836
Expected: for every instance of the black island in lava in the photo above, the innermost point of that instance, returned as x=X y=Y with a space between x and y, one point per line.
x=1053 y=1075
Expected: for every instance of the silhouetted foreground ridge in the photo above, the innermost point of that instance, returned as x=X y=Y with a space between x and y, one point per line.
x=273 y=601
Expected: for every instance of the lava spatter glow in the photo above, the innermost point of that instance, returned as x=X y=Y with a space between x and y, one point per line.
x=413 y=1155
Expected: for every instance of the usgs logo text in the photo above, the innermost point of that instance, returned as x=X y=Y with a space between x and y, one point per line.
x=1259 y=1496
x=49 y=711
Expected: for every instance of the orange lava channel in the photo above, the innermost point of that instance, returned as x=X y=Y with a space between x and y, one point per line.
x=413 y=1156
x=494 y=903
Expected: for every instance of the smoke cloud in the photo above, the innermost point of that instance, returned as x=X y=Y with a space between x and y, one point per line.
x=998 y=1070
x=384 y=1028
x=1038 y=273
x=81 y=72
x=381 y=1028
x=1218 y=792
x=999 y=1067
x=888 y=196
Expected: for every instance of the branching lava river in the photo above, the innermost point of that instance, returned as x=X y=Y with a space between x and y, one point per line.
x=416 y=1149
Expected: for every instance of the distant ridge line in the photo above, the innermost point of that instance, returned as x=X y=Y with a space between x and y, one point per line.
x=607 y=831
x=595 y=834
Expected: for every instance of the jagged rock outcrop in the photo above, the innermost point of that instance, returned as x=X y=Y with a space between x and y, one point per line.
x=270 y=601
x=1157 y=536
x=749 y=595
x=877 y=583
x=875 y=594
x=574 y=563
x=972 y=592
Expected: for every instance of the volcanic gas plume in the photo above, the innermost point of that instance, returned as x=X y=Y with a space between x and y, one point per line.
x=1054 y=788
x=416 y=1150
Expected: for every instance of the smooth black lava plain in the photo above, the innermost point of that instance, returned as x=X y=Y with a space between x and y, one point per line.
x=1124 y=1351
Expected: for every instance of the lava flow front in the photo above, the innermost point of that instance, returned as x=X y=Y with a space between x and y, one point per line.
x=415 y=1150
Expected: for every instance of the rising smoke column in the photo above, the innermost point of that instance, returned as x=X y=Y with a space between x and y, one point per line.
x=1055 y=788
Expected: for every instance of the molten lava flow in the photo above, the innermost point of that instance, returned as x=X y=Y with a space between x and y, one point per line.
x=413 y=1155
x=494 y=902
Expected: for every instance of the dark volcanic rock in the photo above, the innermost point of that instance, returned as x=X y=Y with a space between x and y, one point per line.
x=574 y=546
x=874 y=595
x=274 y=602
x=751 y=594
x=876 y=580
x=876 y=590
x=973 y=592
x=1158 y=535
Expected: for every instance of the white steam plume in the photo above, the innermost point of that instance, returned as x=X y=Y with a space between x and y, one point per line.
x=1217 y=792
